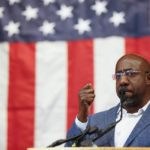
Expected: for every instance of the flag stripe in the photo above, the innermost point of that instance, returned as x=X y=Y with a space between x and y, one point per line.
x=140 y=46
x=51 y=92
x=21 y=96
x=80 y=72
x=80 y=55
x=4 y=62
x=106 y=53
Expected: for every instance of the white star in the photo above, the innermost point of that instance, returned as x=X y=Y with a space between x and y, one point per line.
x=30 y=13
x=46 y=2
x=81 y=1
x=99 y=7
x=12 y=28
x=65 y=12
x=11 y=2
x=47 y=28
x=83 y=26
x=1 y=12
x=117 y=18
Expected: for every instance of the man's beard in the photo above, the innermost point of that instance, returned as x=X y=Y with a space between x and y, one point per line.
x=130 y=102
x=126 y=101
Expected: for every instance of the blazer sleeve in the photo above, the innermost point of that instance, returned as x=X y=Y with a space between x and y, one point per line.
x=73 y=131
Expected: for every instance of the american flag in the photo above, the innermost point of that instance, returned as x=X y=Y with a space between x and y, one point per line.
x=49 y=49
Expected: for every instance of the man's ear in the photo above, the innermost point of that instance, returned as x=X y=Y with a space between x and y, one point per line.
x=148 y=78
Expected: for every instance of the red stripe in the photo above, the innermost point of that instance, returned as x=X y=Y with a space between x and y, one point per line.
x=140 y=46
x=80 y=72
x=21 y=96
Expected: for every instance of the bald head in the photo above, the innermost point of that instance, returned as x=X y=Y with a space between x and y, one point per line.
x=138 y=59
x=134 y=76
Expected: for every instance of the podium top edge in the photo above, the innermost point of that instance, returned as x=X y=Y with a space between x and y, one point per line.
x=92 y=148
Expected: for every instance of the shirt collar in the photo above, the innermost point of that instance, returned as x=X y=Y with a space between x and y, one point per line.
x=140 y=111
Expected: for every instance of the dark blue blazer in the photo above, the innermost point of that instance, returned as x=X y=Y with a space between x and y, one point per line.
x=139 y=137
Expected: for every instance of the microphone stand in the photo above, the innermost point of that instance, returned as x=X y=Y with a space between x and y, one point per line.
x=88 y=130
x=100 y=133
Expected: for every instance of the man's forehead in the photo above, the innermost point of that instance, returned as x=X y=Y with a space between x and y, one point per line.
x=128 y=63
x=132 y=61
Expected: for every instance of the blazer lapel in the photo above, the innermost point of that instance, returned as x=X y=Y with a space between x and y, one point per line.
x=143 y=122
x=112 y=119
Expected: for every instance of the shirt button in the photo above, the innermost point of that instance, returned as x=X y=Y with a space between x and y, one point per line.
x=118 y=133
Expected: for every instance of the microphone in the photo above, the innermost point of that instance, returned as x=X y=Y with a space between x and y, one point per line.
x=124 y=100
x=123 y=96
x=88 y=130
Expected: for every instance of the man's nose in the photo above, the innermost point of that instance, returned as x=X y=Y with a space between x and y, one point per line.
x=124 y=81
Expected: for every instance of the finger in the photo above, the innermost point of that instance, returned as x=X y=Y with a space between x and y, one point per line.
x=86 y=93
x=87 y=97
x=87 y=86
x=89 y=91
x=88 y=101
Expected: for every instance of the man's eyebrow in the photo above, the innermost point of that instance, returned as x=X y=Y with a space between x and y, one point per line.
x=122 y=70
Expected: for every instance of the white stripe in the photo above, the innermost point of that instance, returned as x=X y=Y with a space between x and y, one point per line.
x=107 y=52
x=4 y=60
x=51 y=91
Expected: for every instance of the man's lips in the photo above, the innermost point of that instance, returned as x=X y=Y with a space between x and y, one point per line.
x=128 y=93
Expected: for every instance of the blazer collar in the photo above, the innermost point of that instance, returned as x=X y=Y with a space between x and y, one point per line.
x=143 y=122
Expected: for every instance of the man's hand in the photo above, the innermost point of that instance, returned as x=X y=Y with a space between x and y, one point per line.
x=86 y=97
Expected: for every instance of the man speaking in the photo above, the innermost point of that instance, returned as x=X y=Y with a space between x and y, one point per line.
x=132 y=114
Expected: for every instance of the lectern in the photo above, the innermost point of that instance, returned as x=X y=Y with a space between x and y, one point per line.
x=92 y=148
